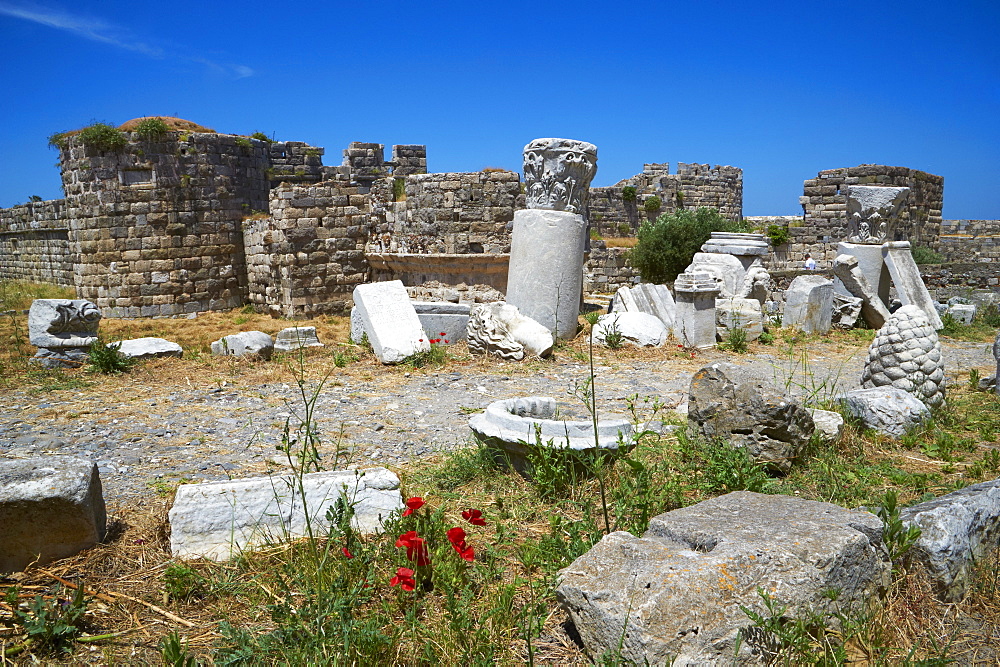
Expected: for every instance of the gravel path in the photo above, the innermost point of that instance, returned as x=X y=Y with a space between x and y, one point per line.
x=151 y=433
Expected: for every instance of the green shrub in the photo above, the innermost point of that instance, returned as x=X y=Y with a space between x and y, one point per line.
x=624 y=229
x=262 y=137
x=778 y=234
x=990 y=315
x=244 y=142
x=151 y=128
x=398 y=189
x=628 y=194
x=103 y=137
x=652 y=204
x=107 y=358
x=59 y=140
x=666 y=245
x=924 y=255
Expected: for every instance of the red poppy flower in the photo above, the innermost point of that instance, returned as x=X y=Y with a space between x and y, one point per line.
x=444 y=333
x=416 y=550
x=475 y=517
x=347 y=554
x=413 y=504
x=404 y=579
x=457 y=538
x=446 y=340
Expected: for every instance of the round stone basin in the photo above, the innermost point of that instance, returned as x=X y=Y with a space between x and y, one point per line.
x=520 y=425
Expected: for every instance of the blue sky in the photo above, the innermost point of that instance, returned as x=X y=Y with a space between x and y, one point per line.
x=781 y=89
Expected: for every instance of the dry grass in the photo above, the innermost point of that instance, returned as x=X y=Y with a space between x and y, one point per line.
x=621 y=242
x=173 y=124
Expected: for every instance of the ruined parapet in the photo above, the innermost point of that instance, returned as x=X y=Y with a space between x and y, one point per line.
x=366 y=162
x=155 y=225
x=718 y=187
x=297 y=162
x=409 y=159
x=306 y=258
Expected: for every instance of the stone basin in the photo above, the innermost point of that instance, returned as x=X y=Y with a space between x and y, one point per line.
x=515 y=427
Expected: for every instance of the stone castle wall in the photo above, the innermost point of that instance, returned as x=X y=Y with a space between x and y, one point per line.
x=824 y=206
x=970 y=240
x=156 y=227
x=693 y=186
x=34 y=242
x=306 y=257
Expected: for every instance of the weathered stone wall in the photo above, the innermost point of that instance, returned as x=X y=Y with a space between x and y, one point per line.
x=307 y=257
x=409 y=159
x=455 y=213
x=959 y=279
x=824 y=206
x=607 y=269
x=970 y=240
x=34 y=243
x=155 y=228
x=693 y=186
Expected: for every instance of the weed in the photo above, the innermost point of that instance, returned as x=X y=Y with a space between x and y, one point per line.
x=107 y=358
x=613 y=337
x=897 y=538
x=729 y=468
x=766 y=338
x=243 y=142
x=51 y=624
x=924 y=255
x=435 y=355
x=989 y=315
x=151 y=128
x=182 y=582
x=974 y=379
x=260 y=136
x=174 y=651
x=342 y=358
x=736 y=341
x=399 y=189
x=103 y=137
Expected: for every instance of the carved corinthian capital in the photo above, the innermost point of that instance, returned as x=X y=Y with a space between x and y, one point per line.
x=557 y=173
x=872 y=211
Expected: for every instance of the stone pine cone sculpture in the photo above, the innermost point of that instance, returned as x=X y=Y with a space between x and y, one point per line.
x=906 y=354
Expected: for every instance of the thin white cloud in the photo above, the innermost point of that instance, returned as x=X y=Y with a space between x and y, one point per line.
x=106 y=33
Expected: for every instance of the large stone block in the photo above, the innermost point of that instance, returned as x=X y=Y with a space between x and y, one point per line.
x=887 y=410
x=647 y=298
x=295 y=338
x=218 y=520
x=738 y=312
x=243 y=344
x=909 y=284
x=638 y=329
x=389 y=320
x=729 y=403
x=696 y=296
x=956 y=530
x=809 y=304
x=443 y=320
x=851 y=280
x=50 y=508
x=675 y=595
x=150 y=348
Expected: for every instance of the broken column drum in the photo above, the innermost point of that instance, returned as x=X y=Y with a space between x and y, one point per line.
x=544 y=279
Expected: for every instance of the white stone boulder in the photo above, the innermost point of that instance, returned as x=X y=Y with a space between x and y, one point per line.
x=647 y=298
x=296 y=338
x=500 y=329
x=963 y=313
x=738 y=312
x=218 y=520
x=387 y=317
x=244 y=344
x=634 y=328
x=675 y=595
x=727 y=270
x=956 y=530
x=887 y=410
x=829 y=424
x=149 y=348
x=809 y=304
x=50 y=507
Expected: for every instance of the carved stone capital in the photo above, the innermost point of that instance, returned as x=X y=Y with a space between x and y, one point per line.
x=557 y=174
x=872 y=211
